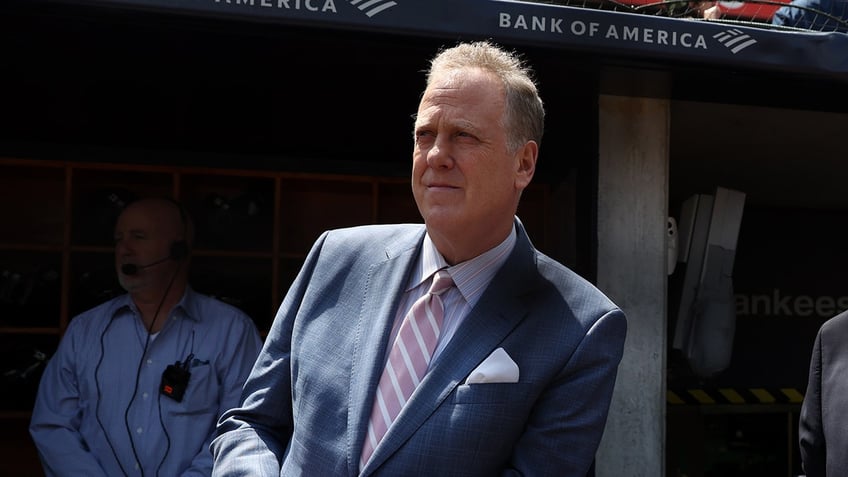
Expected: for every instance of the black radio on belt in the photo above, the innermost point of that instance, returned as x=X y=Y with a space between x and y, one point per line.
x=175 y=379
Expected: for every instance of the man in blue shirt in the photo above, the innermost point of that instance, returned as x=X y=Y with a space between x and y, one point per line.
x=137 y=383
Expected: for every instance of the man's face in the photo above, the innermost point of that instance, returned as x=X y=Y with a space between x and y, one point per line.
x=465 y=180
x=143 y=235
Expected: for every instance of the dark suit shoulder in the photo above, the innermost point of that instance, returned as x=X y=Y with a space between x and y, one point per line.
x=836 y=326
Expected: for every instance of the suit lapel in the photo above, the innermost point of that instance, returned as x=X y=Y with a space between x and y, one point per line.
x=382 y=293
x=496 y=314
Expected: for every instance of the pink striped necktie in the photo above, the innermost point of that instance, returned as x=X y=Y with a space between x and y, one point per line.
x=408 y=361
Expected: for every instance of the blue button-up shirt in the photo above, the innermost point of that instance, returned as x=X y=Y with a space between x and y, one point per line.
x=99 y=397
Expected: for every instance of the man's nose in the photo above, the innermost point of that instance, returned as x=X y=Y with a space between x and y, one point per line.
x=440 y=155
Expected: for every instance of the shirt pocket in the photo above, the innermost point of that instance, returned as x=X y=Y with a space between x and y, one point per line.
x=201 y=395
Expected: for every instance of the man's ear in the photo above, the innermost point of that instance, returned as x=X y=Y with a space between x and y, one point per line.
x=525 y=159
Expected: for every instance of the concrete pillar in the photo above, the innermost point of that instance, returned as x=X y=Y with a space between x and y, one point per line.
x=632 y=214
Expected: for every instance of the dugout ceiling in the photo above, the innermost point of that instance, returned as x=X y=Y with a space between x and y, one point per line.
x=585 y=30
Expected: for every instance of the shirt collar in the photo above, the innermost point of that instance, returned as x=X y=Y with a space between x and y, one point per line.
x=470 y=276
x=187 y=307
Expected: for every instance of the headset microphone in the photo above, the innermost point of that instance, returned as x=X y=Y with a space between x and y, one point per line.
x=179 y=250
x=132 y=269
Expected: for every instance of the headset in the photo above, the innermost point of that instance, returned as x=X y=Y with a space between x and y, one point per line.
x=175 y=378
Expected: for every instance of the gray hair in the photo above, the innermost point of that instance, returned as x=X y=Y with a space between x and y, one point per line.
x=525 y=114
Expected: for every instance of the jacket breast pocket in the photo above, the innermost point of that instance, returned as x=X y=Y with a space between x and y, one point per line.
x=492 y=393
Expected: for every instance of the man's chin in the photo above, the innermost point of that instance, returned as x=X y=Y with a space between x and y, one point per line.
x=442 y=217
x=447 y=225
x=128 y=284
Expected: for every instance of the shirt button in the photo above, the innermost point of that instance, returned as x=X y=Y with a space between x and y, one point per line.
x=139 y=430
x=137 y=466
x=149 y=362
x=145 y=395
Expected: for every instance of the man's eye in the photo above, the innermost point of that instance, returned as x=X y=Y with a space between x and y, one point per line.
x=423 y=136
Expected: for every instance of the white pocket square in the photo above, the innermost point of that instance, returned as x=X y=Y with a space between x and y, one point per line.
x=497 y=368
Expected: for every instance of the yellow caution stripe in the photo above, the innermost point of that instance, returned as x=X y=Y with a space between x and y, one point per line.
x=794 y=395
x=711 y=396
x=732 y=396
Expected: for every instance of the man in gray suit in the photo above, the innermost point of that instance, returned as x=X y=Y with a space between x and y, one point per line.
x=822 y=433
x=520 y=379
